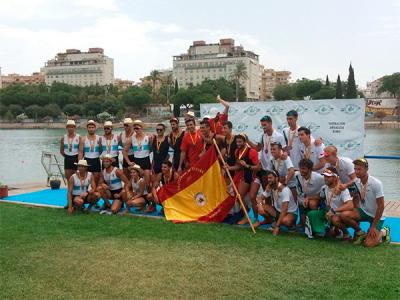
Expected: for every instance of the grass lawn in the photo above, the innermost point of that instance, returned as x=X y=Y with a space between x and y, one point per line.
x=46 y=254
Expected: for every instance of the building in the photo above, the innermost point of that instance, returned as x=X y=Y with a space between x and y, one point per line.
x=12 y=79
x=270 y=79
x=123 y=84
x=372 y=90
x=80 y=68
x=212 y=61
x=164 y=76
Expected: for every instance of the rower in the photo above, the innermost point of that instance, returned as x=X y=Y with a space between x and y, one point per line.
x=110 y=143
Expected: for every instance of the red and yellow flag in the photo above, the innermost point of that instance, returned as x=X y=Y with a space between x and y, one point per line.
x=200 y=194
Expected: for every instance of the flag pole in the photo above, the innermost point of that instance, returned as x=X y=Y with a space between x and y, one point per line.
x=234 y=187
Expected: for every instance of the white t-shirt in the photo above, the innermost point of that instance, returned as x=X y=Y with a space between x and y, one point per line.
x=294 y=153
x=335 y=200
x=315 y=153
x=265 y=142
x=346 y=168
x=282 y=167
x=284 y=196
x=312 y=186
x=374 y=191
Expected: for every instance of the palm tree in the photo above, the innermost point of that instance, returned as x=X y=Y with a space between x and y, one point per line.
x=240 y=73
x=168 y=81
x=154 y=77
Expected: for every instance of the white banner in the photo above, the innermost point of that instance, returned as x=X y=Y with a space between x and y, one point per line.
x=339 y=121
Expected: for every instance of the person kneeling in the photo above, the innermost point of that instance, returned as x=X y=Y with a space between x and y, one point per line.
x=283 y=209
x=333 y=201
x=110 y=185
x=138 y=195
x=81 y=188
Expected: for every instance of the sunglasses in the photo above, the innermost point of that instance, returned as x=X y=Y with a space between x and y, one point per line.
x=136 y=128
x=159 y=129
x=107 y=128
x=126 y=125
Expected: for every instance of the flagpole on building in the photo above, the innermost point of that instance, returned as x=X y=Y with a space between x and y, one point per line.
x=234 y=187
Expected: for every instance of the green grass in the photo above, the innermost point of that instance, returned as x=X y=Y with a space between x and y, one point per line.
x=46 y=254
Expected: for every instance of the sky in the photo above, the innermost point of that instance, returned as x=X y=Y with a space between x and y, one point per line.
x=310 y=38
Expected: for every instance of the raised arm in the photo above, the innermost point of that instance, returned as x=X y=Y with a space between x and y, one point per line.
x=225 y=104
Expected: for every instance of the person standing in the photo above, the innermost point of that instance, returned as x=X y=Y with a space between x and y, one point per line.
x=216 y=119
x=126 y=133
x=69 y=149
x=175 y=141
x=110 y=143
x=291 y=136
x=310 y=150
x=191 y=147
x=160 y=147
x=89 y=149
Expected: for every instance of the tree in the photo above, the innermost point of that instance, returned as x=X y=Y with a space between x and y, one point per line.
x=327 y=83
x=21 y=117
x=240 y=73
x=283 y=92
x=176 y=88
x=351 y=92
x=34 y=111
x=111 y=106
x=154 y=77
x=72 y=109
x=339 y=91
x=168 y=82
x=15 y=109
x=51 y=110
x=326 y=92
x=306 y=87
x=104 y=116
x=136 y=97
x=380 y=114
x=92 y=108
x=391 y=84
x=9 y=116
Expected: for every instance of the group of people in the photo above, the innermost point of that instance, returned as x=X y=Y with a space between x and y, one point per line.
x=289 y=178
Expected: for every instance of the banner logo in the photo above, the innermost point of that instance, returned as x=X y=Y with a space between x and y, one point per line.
x=241 y=127
x=232 y=110
x=301 y=109
x=323 y=109
x=312 y=126
x=251 y=110
x=350 y=109
x=350 y=145
x=274 y=110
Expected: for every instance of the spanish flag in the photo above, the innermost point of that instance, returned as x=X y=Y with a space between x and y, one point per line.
x=200 y=194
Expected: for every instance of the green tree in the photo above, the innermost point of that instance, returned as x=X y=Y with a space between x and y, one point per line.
x=103 y=116
x=306 y=87
x=327 y=83
x=351 y=91
x=326 y=92
x=9 y=116
x=92 y=108
x=136 y=98
x=72 y=109
x=155 y=76
x=176 y=87
x=111 y=106
x=339 y=91
x=51 y=110
x=34 y=111
x=15 y=109
x=391 y=84
x=283 y=92
x=238 y=74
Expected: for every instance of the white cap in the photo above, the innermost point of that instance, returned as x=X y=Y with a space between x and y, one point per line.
x=91 y=122
x=71 y=123
x=128 y=121
x=108 y=124
x=82 y=162
x=107 y=156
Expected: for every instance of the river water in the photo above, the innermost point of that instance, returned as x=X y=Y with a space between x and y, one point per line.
x=21 y=149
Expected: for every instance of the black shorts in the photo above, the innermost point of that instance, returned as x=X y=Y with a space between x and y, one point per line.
x=114 y=192
x=156 y=169
x=124 y=162
x=85 y=200
x=69 y=162
x=94 y=164
x=115 y=163
x=144 y=162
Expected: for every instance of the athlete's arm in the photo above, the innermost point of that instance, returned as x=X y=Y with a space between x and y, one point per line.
x=81 y=146
x=320 y=165
x=121 y=175
x=181 y=161
x=225 y=104
x=346 y=206
x=125 y=150
x=62 y=146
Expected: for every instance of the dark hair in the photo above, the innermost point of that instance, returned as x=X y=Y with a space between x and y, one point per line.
x=205 y=122
x=228 y=123
x=162 y=125
x=273 y=172
x=305 y=129
x=266 y=119
x=190 y=120
x=174 y=120
x=167 y=162
x=292 y=113
x=307 y=163
x=276 y=144
x=242 y=136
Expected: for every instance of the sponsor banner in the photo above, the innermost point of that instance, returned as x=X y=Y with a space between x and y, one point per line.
x=338 y=121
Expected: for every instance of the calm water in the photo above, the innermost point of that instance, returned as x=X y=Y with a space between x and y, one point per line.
x=21 y=152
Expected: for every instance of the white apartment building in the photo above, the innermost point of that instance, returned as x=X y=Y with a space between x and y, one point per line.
x=80 y=68
x=372 y=90
x=212 y=61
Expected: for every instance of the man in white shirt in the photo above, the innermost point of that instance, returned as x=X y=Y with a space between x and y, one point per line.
x=333 y=201
x=310 y=150
x=264 y=145
x=291 y=137
x=308 y=185
x=372 y=204
x=343 y=165
x=283 y=209
x=282 y=163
